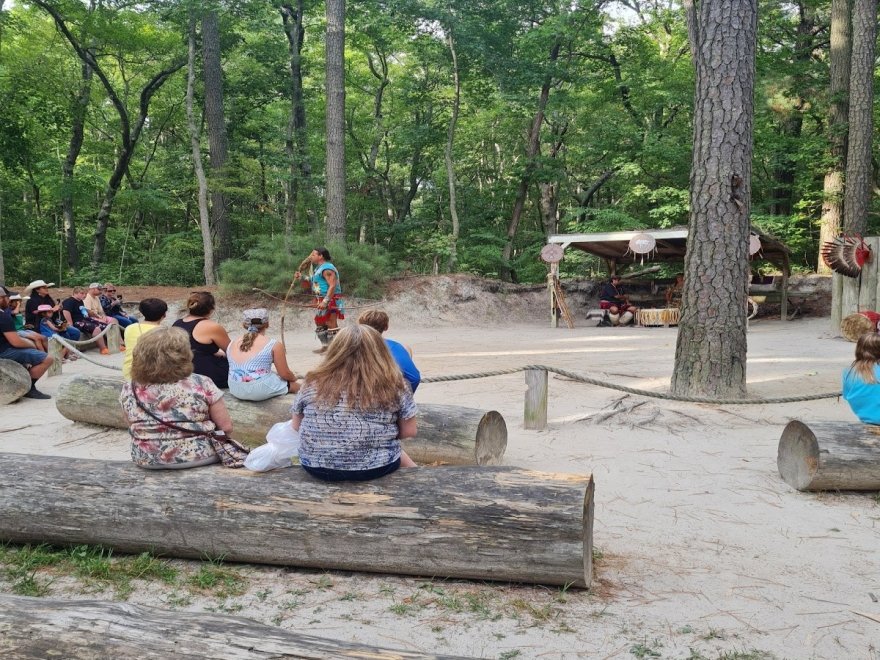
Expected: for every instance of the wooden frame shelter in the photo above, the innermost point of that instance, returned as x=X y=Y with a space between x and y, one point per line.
x=671 y=245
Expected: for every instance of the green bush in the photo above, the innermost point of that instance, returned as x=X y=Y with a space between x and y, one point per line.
x=363 y=269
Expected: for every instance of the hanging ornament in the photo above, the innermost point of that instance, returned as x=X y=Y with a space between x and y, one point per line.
x=642 y=244
x=754 y=244
x=551 y=253
x=846 y=254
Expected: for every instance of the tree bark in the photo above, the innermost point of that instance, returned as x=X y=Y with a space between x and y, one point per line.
x=450 y=164
x=861 y=119
x=198 y=168
x=217 y=139
x=710 y=355
x=833 y=189
x=77 y=133
x=830 y=456
x=36 y=628
x=296 y=144
x=483 y=523
x=447 y=434
x=15 y=381
x=335 y=120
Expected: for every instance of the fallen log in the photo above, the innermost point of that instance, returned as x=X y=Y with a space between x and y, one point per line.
x=452 y=435
x=15 y=381
x=484 y=523
x=830 y=456
x=87 y=629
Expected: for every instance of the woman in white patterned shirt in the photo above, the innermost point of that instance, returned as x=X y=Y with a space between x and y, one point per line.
x=353 y=410
x=251 y=358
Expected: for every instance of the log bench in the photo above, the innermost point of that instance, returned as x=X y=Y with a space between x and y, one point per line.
x=830 y=456
x=15 y=381
x=483 y=523
x=447 y=434
x=39 y=628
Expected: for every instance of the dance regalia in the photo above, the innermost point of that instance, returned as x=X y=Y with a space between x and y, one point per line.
x=320 y=286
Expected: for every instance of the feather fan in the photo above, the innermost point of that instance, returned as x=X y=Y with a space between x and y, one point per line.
x=846 y=255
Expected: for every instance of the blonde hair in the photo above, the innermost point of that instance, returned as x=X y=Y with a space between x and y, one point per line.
x=375 y=318
x=247 y=341
x=867 y=357
x=358 y=365
x=162 y=355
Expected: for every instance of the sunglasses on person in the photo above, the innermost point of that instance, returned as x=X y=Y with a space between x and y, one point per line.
x=110 y=290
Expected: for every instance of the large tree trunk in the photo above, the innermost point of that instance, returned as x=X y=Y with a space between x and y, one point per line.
x=296 y=144
x=710 y=355
x=335 y=120
x=830 y=456
x=483 y=523
x=198 y=168
x=215 y=118
x=37 y=628
x=833 y=190
x=533 y=147
x=451 y=435
x=861 y=118
x=77 y=133
x=450 y=163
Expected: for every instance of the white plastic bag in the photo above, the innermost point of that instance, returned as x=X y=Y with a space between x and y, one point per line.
x=281 y=449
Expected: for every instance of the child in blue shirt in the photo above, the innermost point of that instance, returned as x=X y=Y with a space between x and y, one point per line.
x=861 y=381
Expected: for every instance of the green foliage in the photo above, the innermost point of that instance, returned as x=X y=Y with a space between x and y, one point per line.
x=363 y=269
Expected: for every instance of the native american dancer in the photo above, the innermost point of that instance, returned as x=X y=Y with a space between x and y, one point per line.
x=329 y=307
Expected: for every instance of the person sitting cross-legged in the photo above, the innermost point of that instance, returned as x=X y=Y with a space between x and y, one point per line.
x=16 y=348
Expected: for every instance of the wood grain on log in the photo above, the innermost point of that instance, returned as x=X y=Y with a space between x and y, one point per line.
x=830 y=456
x=15 y=381
x=447 y=434
x=37 y=628
x=484 y=523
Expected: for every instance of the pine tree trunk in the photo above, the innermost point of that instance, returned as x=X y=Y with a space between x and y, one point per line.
x=450 y=164
x=833 y=193
x=710 y=356
x=335 y=120
x=861 y=119
x=77 y=134
x=217 y=138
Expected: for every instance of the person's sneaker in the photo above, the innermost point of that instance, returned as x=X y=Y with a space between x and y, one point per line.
x=104 y=351
x=34 y=393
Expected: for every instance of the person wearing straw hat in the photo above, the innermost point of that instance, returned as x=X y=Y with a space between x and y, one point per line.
x=251 y=357
x=16 y=348
x=38 y=290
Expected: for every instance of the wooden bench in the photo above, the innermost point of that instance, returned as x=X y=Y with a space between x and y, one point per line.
x=482 y=523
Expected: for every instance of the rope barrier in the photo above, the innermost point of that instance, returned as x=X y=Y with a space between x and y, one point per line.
x=633 y=390
x=68 y=344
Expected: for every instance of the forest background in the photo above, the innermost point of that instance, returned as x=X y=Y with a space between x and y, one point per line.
x=471 y=130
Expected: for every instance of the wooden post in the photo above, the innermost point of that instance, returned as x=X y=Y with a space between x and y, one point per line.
x=535 y=409
x=837 y=314
x=554 y=311
x=56 y=350
x=868 y=290
x=114 y=338
x=783 y=307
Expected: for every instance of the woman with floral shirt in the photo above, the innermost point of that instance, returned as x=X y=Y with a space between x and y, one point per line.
x=163 y=388
x=353 y=410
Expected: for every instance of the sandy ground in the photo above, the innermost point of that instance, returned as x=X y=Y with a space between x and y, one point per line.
x=702 y=550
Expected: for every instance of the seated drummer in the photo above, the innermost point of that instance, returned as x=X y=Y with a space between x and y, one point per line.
x=614 y=300
x=673 y=292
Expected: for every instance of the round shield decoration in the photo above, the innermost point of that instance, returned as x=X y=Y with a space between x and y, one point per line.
x=551 y=253
x=642 y=244
x=754 y=244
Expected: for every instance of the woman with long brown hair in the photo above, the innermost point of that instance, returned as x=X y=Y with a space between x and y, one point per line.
x=207 y=338
x=353 y=410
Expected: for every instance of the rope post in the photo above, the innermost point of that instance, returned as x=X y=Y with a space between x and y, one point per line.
x=535 y=410
x=114 y=339
x=56 y=350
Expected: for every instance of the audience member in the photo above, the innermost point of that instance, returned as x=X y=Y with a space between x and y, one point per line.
x=77 y=316
x=353 y=410
x=48 y=328
x=378 y=320
x=861 y=380
x=170 y=410
x=16 y=348
x=38 y=290
x=251 y=357
x=92 y=302
x=153 y=310
x=207 y=338
x=112 y=306
x=37 y=340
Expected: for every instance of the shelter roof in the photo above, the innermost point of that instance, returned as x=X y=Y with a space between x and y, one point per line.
x=671 y=245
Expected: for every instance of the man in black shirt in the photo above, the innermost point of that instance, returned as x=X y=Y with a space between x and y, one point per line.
x=614 y=300
x=14 y=347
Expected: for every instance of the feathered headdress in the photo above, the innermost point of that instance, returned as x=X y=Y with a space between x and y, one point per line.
x=846 y=254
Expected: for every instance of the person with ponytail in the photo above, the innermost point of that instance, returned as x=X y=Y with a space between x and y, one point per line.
x=251 y=358
x=207 y=338
x=861 y=381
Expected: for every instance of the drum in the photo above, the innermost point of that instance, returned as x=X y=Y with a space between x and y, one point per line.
x=654 y=317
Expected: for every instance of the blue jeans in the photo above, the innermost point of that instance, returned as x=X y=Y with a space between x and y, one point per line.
x=26 y=357
x=327 y=474
x=124 y=321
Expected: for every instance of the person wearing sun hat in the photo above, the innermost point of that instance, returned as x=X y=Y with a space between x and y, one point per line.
x=251 y=357
x=16 y=348
x=38 y=290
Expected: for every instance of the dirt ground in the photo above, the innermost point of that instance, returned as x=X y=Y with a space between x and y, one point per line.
x=702 y=551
